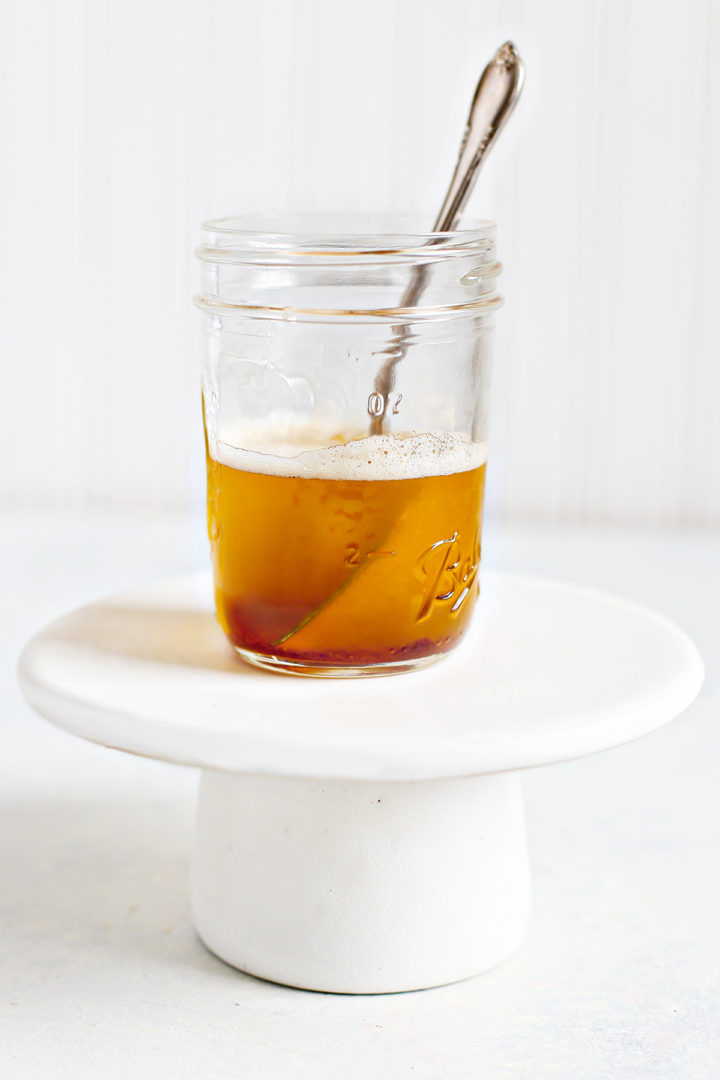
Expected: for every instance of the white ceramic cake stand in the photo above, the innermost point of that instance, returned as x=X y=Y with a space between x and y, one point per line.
x=363 y=835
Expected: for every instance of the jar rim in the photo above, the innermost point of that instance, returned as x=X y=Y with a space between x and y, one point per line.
x=245 y=257
x=356 y=237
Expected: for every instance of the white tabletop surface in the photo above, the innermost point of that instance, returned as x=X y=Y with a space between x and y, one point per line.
x=101 y=975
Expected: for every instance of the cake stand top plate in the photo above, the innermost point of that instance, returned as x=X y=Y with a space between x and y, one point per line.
x=548 y=672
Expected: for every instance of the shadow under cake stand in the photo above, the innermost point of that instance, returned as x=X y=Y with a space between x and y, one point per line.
x=364 y=835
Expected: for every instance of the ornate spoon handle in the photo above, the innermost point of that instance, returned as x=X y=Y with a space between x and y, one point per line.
x=495 y=98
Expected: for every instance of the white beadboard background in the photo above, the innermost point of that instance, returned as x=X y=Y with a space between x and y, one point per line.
x=125 y=122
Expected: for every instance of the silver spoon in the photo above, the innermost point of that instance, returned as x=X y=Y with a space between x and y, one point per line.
x=495 y=98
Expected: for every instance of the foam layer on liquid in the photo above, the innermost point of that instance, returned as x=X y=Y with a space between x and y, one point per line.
x=277 y=452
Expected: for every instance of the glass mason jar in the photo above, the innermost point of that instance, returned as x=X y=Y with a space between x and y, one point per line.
x=345 y=401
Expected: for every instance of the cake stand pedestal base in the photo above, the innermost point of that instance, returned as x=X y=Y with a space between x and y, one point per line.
x=361 y=887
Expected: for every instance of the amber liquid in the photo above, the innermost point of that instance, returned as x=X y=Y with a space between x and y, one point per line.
x=344 y=573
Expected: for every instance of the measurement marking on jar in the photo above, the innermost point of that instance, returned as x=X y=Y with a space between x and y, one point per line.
x=353 y=558
x=376 y=404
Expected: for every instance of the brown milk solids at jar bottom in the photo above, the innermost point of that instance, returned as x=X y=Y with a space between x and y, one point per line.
x=330 y=569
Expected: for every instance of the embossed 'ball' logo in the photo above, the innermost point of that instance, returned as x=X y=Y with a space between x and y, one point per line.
x=449 y=575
